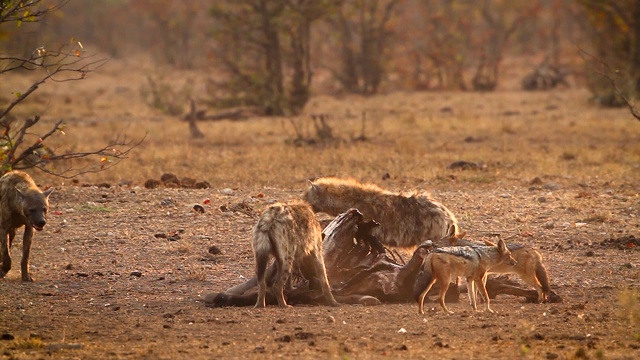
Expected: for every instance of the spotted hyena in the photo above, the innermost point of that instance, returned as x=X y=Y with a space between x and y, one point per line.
x=292 y=234
x=22 y=203
x=406 y=219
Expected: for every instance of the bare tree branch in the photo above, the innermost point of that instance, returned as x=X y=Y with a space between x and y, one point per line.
x=604 y=70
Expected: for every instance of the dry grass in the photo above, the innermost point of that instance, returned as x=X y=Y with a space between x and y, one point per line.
x=412 y=137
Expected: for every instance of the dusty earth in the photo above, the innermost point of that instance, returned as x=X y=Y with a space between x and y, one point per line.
x=122 y=272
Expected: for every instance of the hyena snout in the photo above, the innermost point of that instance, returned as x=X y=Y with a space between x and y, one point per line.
x=38 y=223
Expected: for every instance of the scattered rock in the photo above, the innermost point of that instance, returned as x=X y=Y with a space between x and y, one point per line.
x=552 y=186
x=188 y=182
x=284 y=338
x=303 y=335
x=167 y=178
x=198 y=208
x=136 y=273
x=6 y=336
x=168 y=202
x=548 y=225
x=402 y=347
x=536 y=181
x=214 y=250
x=589 y=253
x=226 y=191
x=627 y=242
x=331 y=319
x=152 y=184
x=467 y=165
x=160 y=236
x=386 y=176
x=542 y=199
x=202 y=185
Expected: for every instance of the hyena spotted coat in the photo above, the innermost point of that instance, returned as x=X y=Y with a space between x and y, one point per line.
x=406 y=220
x=22 y=203
x=293 y=235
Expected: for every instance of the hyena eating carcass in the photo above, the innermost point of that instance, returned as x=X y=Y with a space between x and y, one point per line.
x=22 y=203
x=292 y=234
x=406 y=220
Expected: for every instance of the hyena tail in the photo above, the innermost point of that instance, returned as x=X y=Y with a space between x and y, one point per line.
x=423 y=279
x=543 y=278
x=263 y=240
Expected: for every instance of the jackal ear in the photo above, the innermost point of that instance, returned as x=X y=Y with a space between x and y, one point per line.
x=47 y=192
x=451 y=231
x=502 y=247
x=461 y=235
x=489 y=243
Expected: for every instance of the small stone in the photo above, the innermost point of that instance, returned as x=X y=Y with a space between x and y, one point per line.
x=548 y=225
x=552 y=186
x=331 y=319
x=589 y=253
x=6 y=336
x=542 y=199
x=214 y=250
x=198 y=208
x=136 y=273
x=536 y=181
x=226 y=191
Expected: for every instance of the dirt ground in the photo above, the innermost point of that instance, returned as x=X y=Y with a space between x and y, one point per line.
x=121 y=271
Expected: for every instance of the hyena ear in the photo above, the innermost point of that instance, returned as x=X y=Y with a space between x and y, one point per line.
x=19 y=192
x=315 y=187
x=47 y=192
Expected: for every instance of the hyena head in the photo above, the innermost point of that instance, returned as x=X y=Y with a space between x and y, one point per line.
x=504 y=253
x=35 y=204
x=316 y=196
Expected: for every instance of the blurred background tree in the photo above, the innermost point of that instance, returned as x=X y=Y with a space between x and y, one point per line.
x=273 y=54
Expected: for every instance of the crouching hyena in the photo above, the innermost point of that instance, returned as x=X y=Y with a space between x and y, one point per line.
x=406 y=220
x=291 y=233
x=22 y=203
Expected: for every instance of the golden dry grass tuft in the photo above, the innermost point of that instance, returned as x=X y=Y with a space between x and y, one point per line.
x=412 y=137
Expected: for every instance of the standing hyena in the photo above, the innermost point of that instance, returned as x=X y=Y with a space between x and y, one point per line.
x=22 y=203
x=406 y=220
x=291 y=233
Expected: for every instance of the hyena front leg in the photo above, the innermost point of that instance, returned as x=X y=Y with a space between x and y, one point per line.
x=26 y=250
x=321 y=275
x=5 y=253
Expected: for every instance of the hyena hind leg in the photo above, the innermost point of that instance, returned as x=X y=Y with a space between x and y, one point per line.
x=284 y=272
x=321 y=275
x=262 y=260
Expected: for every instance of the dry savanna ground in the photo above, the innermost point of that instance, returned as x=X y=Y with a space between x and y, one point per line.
x=122 y=270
